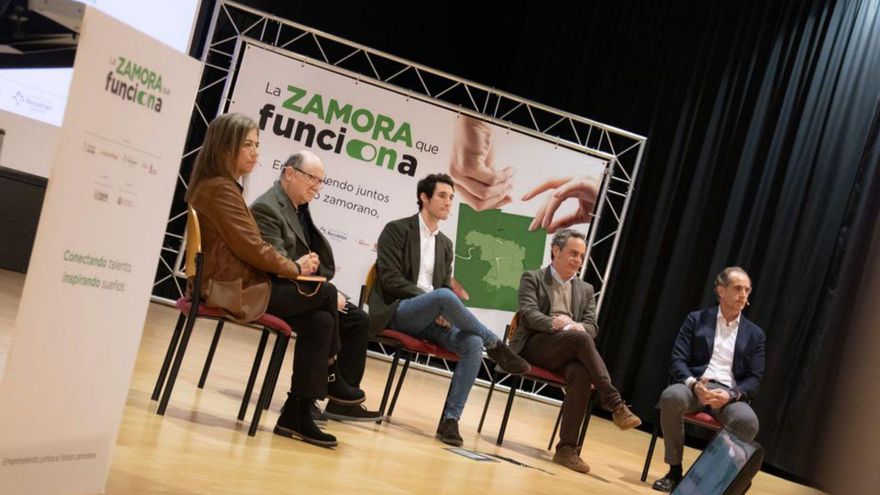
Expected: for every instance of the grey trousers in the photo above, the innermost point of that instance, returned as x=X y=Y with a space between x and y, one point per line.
x=678 y=399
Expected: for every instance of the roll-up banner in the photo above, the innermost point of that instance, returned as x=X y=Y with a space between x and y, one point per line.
x=376 y=143
x=86 y=294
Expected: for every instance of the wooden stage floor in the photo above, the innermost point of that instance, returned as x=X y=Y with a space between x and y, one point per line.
x=198 y=447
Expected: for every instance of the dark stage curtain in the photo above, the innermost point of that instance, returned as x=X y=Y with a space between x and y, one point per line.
x=758 y=117
x=849 y=448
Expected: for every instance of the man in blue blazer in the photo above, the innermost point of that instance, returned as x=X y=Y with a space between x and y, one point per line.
x=717 y=365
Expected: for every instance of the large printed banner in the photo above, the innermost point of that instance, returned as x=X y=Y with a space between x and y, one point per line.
x=87 y=290
x=376 y=144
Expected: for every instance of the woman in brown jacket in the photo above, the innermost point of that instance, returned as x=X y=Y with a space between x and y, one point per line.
x=236 y=264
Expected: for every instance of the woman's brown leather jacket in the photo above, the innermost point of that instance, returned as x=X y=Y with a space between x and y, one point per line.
x=236 y=258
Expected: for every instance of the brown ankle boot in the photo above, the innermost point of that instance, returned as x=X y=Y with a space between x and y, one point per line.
x=624 y=418
x=568 y=457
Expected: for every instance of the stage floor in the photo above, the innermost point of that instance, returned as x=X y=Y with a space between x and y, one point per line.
x=198 y=447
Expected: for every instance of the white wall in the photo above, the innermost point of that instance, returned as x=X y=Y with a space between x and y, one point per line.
x=41 y=94
x=29 y=145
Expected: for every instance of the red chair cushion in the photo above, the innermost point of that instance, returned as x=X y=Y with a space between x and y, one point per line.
x=545 y=375
x=275 y=323
x=413 y=344
x=183 y=305
x=703 y=419
x=556 y=379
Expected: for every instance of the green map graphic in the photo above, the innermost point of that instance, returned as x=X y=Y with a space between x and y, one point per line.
x=492 y=251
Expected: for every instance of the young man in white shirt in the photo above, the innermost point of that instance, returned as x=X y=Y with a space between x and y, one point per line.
x=414 y=295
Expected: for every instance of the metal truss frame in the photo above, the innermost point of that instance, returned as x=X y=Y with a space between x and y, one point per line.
x=233 y=24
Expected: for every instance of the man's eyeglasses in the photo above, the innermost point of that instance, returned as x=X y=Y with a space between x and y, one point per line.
x=313 y=180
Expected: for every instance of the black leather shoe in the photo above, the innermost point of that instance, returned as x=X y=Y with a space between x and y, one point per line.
x=510 y=361
x=341 y=392
x=666 y=483
x=447 y=432
x=351 y=412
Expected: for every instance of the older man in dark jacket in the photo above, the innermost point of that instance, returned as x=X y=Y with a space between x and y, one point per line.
x=285 y=222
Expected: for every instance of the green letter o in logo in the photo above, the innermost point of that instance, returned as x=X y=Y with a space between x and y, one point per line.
x=360 y=150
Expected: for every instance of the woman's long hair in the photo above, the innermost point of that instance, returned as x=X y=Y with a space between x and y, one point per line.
x=216 y=158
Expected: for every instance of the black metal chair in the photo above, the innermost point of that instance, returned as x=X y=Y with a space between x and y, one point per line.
x=539 y=375
x=699 y=418
x=405 y=346
x=191 y=308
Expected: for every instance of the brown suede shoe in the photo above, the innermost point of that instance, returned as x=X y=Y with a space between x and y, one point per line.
x=624 y=418
x=568 y=457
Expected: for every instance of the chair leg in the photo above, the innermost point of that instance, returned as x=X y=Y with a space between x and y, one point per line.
x=513 y=388
x=445 y=402
x=178 y=360
x=492 y=376
x=258 y=359
x=586 y=422
x=388 y=383
x=278 y=372
x=651 y=449
x=169 y=355
x=399 y=383
x=211 y=351
x=266 y=391
x=555 y=428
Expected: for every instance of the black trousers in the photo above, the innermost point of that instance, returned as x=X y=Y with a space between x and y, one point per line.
x=354 y=332
x=315 y=320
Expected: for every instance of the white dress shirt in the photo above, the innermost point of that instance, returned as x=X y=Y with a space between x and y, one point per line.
x=556 y=276
x=720 y=366
x=427 y=242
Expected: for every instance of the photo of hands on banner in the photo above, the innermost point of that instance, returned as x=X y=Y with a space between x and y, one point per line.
x=482 y=185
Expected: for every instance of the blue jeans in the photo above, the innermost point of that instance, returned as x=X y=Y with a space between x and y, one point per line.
x=466 y=338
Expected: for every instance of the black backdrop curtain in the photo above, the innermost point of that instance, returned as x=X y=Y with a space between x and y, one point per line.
x=753 y=161
x=757 y=116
